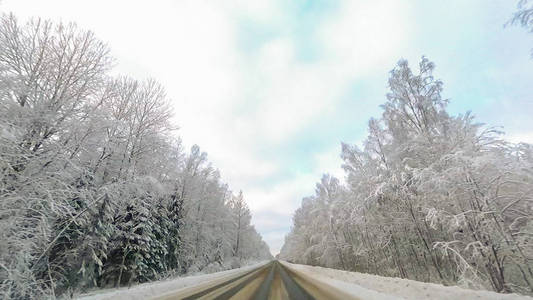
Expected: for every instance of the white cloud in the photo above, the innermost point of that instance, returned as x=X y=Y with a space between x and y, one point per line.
x=365 y=35
x=358 y=40
x=273 y=208
x=229 y=103
x=275 y=240
x=283 y=198
x=257 y=10
x=520 y=137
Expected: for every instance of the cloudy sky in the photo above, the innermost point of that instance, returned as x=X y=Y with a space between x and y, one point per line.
x=270 y=88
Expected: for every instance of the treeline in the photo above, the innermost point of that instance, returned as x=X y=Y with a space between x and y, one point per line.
x=95 y=189
x=429 y=196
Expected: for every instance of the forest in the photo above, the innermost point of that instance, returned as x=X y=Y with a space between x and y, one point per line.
x=99 y=191
x=429 y=196
x=96 y=189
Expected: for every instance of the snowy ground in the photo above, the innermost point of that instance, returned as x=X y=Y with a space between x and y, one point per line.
x=352 y=284
x=153 y=289
x=359 y=283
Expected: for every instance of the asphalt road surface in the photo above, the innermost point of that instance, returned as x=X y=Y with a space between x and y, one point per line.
x=271 y=281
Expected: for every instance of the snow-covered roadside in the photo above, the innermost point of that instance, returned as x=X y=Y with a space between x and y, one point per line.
x=401 y=288
x=153 y=289
x=336 y=289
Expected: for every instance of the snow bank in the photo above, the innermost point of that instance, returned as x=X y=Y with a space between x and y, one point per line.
x=337 y=289
x=153 y=289
x=400 y=288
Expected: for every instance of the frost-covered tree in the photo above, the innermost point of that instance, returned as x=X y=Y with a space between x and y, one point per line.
x=241 y=217
x=430 y=196
x=523 y=15
x=95 y=188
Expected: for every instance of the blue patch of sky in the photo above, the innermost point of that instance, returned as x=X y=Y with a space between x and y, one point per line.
x=485 y=68
x=481 y=63
x=252 y=35
x=299 y=22
x=345 y=122
x=304 y=18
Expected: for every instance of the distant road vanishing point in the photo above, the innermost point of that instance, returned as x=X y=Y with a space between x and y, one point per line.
x=274 y=280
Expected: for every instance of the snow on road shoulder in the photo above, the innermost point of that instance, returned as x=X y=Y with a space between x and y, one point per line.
x=401 y=288
x=343 y=289
x=154 y=289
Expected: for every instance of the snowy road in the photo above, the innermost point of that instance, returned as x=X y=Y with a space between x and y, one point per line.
x=271 y=281
x=282 y=280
